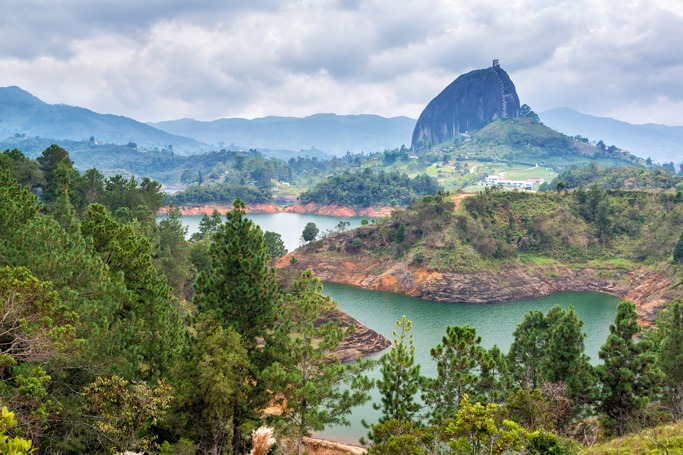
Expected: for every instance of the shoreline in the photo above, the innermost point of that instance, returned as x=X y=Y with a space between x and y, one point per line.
x=271 y=207
x=646 y=287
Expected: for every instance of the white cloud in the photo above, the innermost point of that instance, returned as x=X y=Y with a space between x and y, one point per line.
x=165 y=59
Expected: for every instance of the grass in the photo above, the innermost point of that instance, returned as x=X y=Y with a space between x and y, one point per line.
x=664 y=439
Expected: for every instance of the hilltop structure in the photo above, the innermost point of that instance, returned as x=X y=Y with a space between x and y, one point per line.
x=470 y=102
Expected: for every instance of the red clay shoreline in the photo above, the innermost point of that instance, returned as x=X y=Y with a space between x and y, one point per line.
x=311 y=208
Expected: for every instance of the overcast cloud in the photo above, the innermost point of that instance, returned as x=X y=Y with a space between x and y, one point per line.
x=165 y=59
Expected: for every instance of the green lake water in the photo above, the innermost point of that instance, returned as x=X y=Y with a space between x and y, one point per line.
x=380 y=311
x=493 y=322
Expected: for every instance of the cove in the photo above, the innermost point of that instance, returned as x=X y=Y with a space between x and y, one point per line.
x=495 y=323
x=288 y=225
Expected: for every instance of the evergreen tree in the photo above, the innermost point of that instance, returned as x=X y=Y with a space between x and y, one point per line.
x=173 y=252
x=239 y=287
x=400 y=377
x=50 y=161
x=678 y=250
x=213 y=385
x=459 y=360
x=670 y=358
x=310 y=232
x=566 y=363
x=628 y=375
x=274 y=244
x=308 y=376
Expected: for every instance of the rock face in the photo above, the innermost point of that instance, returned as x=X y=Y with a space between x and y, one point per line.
x=468 y=103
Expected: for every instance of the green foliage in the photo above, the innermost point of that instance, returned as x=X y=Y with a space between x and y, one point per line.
x=123 y=414
x=214 y=383
x=459 y=360
x=629 y=376
x=56 y=167
x=670 y=356
x=401 y=378
x=476 y=430
x=239 y=286
x=11 y=445
x=310 y=232
x=173 y=252
x=309 y=379
x=678 y=250
x=152 y=306
x=618 y=178
x=222 y=194
x=275 y=247
x=364 y=189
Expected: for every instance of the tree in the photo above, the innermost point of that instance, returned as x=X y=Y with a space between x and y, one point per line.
x=274 y=244
x=173 y=252
x=50 y=161
x=565 y=362
x=310 y=232
x=308 y=375
x=561 y=185
x=458 y=358
x=208 y=226
x=476 y=430
x=123 y=414
x=628 y=375
x=214 y=383
x=401 y=378
x=526 y=112
x=240 y=289
x=678 y=250
x=670 y=357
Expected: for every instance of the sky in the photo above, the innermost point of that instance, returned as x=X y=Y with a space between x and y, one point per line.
x=156 y=60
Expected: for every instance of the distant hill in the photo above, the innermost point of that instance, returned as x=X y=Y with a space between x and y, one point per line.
x=523 y=140
x=660 y=142
x=22 y=114
x=469 y=103
x=329 y=133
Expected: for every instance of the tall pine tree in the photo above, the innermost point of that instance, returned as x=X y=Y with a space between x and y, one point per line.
x=628 y=375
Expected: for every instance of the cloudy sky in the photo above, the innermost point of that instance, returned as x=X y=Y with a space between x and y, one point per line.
x=164 y=59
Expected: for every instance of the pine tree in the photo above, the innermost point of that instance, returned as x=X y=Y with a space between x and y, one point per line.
x=308 y=376
x=678 y=250
x=628 y=375
x=459 y=360
x=52 y=159
x=400 y=377
x=566 y=363
x=239 y=287
x=670 y=358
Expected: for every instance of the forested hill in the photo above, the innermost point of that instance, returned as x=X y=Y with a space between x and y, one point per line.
x=363 y=189
x=619 y=178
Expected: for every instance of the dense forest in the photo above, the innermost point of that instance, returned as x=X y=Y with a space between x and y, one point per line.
x=364 y=188
x=118 y=334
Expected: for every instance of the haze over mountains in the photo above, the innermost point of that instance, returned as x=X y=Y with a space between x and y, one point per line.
x=330 y=133
x=24 y=115
x=660 y=142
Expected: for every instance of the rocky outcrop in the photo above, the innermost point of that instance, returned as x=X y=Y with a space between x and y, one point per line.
x=360 y=341
x=647 y=288
x=468 y=103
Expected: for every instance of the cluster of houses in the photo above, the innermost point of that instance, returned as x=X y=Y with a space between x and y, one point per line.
x=494 y=180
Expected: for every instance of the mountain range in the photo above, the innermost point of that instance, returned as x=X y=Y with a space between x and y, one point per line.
x=22 y=115
x=331 y=133
x=662 y=143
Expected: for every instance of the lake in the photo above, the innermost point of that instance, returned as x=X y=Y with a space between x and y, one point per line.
x=380 y=311
x=288 y=225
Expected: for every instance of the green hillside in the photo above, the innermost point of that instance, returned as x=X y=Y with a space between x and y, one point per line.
x=523 y=140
